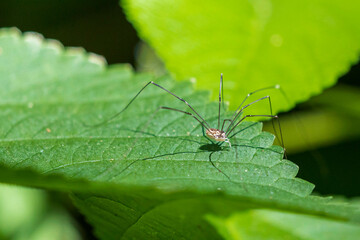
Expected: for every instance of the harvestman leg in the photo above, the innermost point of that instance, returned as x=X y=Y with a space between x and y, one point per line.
x=236 y=113
x=187 y=113
x=230 y=128
x=259 y=90
x=190 y=114
x=250 y=115
x=176 y=110
x=202 y=124
x=271 y=116
x=225 y=120
x=157 y=85
x=220 y=93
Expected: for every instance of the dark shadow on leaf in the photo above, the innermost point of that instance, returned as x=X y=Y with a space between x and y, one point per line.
x=191 y=140
x=212 y=163
x=212 y=147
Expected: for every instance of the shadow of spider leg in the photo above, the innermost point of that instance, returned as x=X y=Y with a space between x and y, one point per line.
x=257 y=157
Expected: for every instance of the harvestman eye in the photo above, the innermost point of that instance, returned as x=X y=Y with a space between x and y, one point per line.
x=219 y=135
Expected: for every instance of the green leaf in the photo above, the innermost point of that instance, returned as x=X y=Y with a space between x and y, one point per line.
x=329 y=118
x=270 y=224
x=134 y=178
x=302 y=45
x=28 y=214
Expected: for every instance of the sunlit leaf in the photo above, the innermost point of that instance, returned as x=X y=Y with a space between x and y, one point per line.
x=269 y=224
x=302 y=45
x=29 y=214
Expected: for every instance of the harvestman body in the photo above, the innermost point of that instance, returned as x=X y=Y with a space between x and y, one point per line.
x=218 y=134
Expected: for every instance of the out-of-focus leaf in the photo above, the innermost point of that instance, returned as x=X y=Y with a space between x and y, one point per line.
x=26 y=214
x=269 y=224
x=327 y=119
x=302 y=45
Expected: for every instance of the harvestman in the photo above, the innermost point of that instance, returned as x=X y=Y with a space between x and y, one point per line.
x=218 y=134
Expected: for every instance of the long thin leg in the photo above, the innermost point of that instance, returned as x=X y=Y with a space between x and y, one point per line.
x=272 y=121
x=151 y=82
x=190 y=114
x=271 y=116
x=277 y=86
x=227 y=119
x=203 y=120
x=172 y=109
x=247 y=105
x=246 y=116
x=220 y=92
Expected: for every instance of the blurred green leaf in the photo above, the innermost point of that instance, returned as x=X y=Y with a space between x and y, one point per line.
x=148 y=62
x=133 y=181
x=343 y=99
x=302 y=45
x=19 y=208
x=27 y=214
x=325 y=120
x=270 y=224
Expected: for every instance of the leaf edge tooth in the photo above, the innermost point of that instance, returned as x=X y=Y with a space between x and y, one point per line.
x=294 y=188
x=33 y=37
x=12 y=31
x=97 y=59
x=286 y=163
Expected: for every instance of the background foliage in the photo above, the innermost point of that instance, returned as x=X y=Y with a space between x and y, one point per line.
x=334 y=123
x=303 y=46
